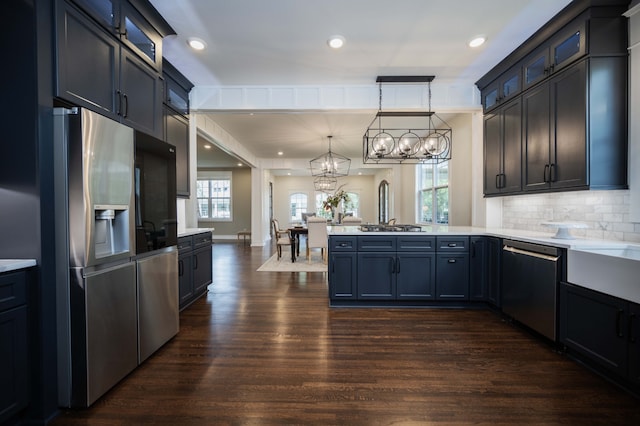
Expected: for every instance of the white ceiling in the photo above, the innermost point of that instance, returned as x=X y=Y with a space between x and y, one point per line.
x=283 y=42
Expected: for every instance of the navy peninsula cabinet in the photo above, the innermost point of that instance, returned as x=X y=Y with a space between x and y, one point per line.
x=413 y=269
x=396 y=268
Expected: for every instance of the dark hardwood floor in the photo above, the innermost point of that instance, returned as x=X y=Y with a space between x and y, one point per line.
x=264 y=348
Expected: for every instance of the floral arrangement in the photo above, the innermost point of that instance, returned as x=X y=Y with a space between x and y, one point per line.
x=332 y=201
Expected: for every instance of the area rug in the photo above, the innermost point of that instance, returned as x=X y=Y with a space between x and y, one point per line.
x=300 y=265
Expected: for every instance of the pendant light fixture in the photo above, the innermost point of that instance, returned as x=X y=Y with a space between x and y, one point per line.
x=330 y=164
x=406 y=137
x=325 y=183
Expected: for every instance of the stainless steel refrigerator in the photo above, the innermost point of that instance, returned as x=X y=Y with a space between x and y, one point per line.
x=96 y=274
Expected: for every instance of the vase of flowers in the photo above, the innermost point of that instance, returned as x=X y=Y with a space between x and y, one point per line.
x=334 y=201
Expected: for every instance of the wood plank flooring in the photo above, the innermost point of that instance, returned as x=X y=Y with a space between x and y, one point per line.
x=264 y=348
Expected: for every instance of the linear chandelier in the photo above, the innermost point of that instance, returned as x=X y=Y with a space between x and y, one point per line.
x=330 y=164
x=406 y=137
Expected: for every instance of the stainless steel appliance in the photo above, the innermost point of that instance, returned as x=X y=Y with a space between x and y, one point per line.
x=390 y=228
x=96 y=279
x=156 y=243
x=530 y=275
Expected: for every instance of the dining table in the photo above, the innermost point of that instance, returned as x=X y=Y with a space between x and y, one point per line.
x=295 y=232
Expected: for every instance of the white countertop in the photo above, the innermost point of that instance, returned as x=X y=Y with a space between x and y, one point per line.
x=193 y=231
x=516 y=234
x=8 y=265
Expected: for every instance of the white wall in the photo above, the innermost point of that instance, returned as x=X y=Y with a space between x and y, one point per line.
x=460 y=171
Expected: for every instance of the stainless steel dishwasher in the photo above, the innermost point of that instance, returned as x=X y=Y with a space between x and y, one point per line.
x=530 y=276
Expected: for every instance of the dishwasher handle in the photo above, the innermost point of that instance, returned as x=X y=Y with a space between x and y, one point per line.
x=530 y=253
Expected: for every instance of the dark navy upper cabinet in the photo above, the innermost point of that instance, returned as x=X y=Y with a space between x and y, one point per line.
x=569 y=68
x=109 y=59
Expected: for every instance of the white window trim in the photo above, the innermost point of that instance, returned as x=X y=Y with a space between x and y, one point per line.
x=217 y=174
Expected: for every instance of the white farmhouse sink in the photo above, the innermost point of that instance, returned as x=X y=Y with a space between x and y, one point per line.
x=613 y=269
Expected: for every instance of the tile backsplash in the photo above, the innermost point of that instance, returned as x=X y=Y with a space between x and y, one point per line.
x=606 y=213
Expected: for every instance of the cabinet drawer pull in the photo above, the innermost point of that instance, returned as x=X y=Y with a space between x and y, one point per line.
x=632 y=337
x=126 y=106
x=619 y=323
x=546 y=173
x=451 y=261
x=552 y=172
x=180 y=267
x=342 y=245
x=397 y=266
x=119 y=109
x=452 y=245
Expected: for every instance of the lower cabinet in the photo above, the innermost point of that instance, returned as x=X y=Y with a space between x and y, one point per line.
x=396 y=268
x=452 y=276
x=195 y=264
x=14 y=370
x=484 y=269
x=452 y=268
x=602 y=328
x=343 y=268
x=413 y=268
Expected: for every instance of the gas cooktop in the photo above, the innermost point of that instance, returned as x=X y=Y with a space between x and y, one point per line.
x=391 y=228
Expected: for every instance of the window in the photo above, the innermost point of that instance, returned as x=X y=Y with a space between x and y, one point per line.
x=320 y=211
x=298 y=204
x=214 y=198
x=433 y=193
x=353 y=205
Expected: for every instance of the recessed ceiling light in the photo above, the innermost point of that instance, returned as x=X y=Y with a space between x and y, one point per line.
x=280 y=153
x=336 y=42
x=207 y=146
x=239 y=164
x=477 y=41
x=196 y=43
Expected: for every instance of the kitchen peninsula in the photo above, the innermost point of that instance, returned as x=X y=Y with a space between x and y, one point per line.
x=447 y=266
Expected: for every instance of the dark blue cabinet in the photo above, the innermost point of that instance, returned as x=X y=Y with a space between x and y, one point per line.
x=396 y=268
x=416 y=276
x=452 y=269
x=14 y=370
x=601 y=328
x=452 y=277
x=376 y=275
x=195 y=263
x=484 y=269
x=342 y=275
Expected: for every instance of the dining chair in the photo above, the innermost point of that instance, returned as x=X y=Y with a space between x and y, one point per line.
x=392 y=221
x=317 y=238
x=282 y=236
x=351 y=220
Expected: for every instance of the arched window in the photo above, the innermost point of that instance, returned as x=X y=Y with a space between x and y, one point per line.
x=383 y=202
x=298 y=205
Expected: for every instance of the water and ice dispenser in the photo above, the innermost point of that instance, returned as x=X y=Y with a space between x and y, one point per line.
x=111 y=230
